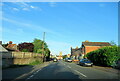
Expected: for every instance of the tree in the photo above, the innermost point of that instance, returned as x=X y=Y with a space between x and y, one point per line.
x=64 y=56
x=26 y=47
x=39 y=48
x=5 y=45
x=113 y=43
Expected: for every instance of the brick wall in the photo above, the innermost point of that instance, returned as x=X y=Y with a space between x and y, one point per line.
x=91 y=48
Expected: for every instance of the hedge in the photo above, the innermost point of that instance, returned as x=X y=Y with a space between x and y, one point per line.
x=105 y=56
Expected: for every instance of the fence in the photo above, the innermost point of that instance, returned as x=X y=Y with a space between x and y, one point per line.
x=11 y=58
x=21 y=55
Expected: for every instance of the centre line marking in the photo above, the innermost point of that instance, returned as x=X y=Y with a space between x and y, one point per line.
x=31 y=76
x=69 y=66
x=80 y=73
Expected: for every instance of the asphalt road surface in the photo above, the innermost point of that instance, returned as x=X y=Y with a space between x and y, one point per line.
x=65 y=70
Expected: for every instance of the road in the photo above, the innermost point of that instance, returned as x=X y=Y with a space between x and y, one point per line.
x=65 y=70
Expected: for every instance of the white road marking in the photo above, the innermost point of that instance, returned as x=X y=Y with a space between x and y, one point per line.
x=34 y=73
x=31 y=76
x=28 y=78
x=69 y=66
x=80 y=73
x=37 y=71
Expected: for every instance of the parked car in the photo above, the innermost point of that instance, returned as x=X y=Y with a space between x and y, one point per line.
x=55 y=60
x=85 y=62
x=68 y=60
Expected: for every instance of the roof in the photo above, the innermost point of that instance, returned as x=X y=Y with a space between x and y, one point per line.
x=76 y=51
x=11 y=45
x=2 y=49
x=96 y=43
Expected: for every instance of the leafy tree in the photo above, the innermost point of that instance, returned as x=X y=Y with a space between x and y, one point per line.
x=41 y=47
x=5 y=45
x=113 y=43
x=64 y=56
x=26 y=47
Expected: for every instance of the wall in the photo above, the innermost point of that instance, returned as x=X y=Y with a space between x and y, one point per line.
x=6 y=59
x=91 y=48
x=12 y=58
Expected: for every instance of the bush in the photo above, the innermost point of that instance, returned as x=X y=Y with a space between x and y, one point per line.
x=105 y=56
x=25 y=50
x=26 y=47
x=36 y=62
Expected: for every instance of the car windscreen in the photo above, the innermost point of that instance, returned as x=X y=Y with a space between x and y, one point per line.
x=69 y=58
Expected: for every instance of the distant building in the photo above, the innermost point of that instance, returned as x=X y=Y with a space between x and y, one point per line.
x=12 y=47
x=68 y=55
x=76 y=53
x=91 y=46
x=86 y=47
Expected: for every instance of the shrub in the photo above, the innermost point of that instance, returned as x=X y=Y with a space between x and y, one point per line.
x=36 y=62
x=26 y=47
x=25 y=50
x=105 y=56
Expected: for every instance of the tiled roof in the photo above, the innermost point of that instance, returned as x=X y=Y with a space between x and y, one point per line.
x=11 y=45
x=96 y=43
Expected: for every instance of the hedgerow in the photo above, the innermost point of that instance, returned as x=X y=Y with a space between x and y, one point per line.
x=105 y=56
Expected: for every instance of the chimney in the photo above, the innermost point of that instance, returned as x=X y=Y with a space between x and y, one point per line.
x=77 y=47
x=10 y=42
x=86 y=41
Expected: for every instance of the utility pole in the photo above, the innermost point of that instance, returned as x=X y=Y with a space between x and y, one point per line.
x=43 y=46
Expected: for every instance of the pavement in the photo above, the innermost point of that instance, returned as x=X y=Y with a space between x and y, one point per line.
x=20 y=72
x=59 y=70
x=107 y=69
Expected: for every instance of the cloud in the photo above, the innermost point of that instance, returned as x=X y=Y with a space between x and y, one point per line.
x=31 y=26
x=15 y=9
x=25 y=6
x=52 y=4
x=32 y=6
x=13 y=32
x=25 y=9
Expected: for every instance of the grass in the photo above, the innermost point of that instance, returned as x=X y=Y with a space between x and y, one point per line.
x=36 y=62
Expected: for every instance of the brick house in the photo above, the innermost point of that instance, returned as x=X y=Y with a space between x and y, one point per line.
x=91 y=46
x=12 y=47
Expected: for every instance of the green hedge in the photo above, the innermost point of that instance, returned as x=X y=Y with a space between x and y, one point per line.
x=105 y=56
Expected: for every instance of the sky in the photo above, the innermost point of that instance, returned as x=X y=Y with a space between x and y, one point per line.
x=66 y=24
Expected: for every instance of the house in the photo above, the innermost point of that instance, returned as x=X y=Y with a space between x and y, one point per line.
x=76 y=53
x=12 y=47
x=68 y=55
x=59 y=57
x=2 y=49
x=91 y=46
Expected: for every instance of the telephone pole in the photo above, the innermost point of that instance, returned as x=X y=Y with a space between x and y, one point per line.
x=43 y=47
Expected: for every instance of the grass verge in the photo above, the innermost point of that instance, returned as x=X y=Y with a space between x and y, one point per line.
x=36 y=62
